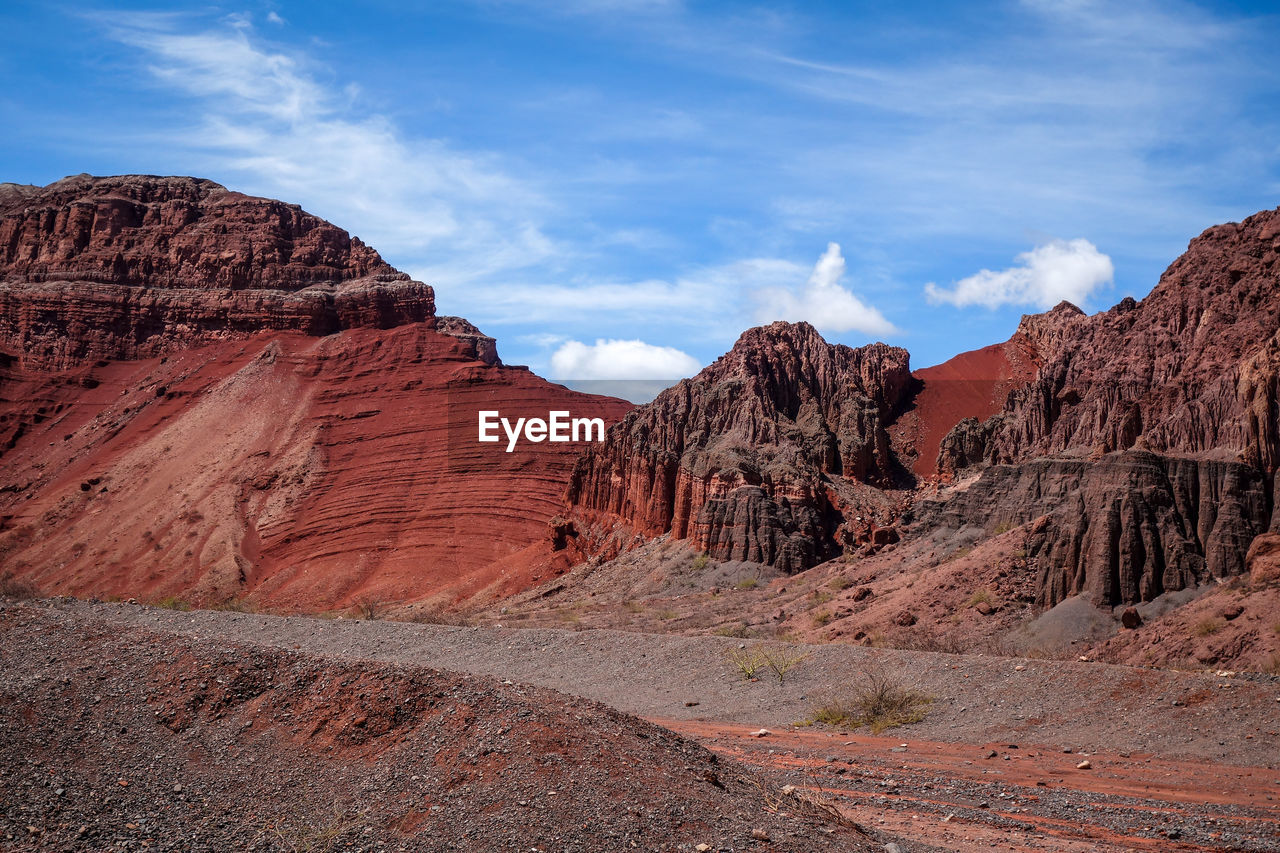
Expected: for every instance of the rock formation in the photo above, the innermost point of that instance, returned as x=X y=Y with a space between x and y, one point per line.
x=209 y=396
x=1190 y=370
x=1148 y=434
x=1142 y=441
x=762 y=455
x=136 y=266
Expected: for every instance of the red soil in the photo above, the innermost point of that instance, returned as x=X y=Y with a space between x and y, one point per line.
x=1025 y=797
x=303 y=472
x=970 y=385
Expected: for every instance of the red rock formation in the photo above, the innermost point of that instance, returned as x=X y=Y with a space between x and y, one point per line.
x=1190 y=370
x=972 y=385
x=1186 y=381
x=251 y=403
x=136 y=266
x=762 y=454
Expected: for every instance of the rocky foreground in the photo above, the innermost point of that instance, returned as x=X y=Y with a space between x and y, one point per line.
x=124 y=738
x=1011 y=753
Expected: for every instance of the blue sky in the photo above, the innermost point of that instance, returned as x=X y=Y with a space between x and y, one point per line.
x=623 y=186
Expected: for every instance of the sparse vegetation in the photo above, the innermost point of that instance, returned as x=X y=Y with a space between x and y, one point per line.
x=18 y=588
x=981 y=596
x=746 y=661
x=741 y=630
x=821 y=618
x=173 y=603
x=778 y=659
x=666 y=614
x=368 y=609
x=781 y=659
x=821 y=596
x=748 y=583
x=881 y=702
x=701 y=561
x=330 y=833
x=1206 y=627
x=839 y=583
x=437 y=616
x=235 y=605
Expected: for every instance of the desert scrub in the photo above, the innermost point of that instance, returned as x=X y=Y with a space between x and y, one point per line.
x=18 y=589
x=748 y=583
x=839 y=583
x=701 y=561
x=821 y=618
x=982 y=596
x=881 y=702
x=746 y=661
x=741 y=631
x=1206 y=627
x=172 y=603
x=774 y=658
x=369 y=610
x=235 y=605
x=781 y=659
x=821 y=596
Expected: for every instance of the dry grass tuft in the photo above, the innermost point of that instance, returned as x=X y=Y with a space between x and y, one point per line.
x=881 y=702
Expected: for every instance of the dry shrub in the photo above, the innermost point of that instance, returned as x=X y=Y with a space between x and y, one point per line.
x=881 y=702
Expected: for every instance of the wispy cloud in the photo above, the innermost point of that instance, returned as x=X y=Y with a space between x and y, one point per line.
x=1070 y=270
x=269 y=117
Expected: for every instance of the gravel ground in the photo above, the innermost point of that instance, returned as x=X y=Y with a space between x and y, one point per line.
x=116 y=738
x=1179 y=760
x=1088 y=707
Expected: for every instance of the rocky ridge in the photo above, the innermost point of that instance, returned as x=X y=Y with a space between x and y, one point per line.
x=1145 y=446
x=762 y=455
x=136 y=266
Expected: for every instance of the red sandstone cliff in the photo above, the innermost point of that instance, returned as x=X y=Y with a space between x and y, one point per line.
x=212 y=396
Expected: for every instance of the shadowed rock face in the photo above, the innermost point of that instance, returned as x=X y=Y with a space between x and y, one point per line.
x=761 y=455
x=1122 y=529
x=135 y=266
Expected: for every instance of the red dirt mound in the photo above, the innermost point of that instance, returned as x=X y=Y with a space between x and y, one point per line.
x=970 y=385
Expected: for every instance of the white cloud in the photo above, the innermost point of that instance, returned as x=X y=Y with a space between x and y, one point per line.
x=1046 y=275
x=615 y=359
x=822 y=301
x=274 y=18
x=268 y=118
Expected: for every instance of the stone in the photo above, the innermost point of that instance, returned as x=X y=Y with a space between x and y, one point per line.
x=1131 y=618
